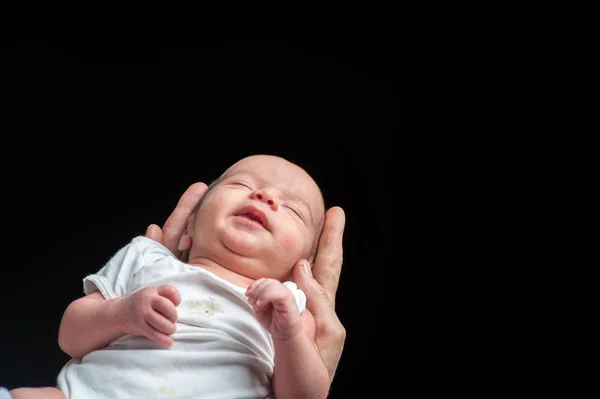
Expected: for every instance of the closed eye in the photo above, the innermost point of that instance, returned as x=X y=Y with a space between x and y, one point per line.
x=242 y=183
x=295 y=211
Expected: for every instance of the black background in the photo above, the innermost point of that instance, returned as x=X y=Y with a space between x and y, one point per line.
x=101 y=138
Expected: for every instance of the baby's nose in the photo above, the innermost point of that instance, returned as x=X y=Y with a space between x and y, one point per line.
x=266 y=195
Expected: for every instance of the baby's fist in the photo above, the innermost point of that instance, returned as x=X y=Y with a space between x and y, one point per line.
x=275 y=308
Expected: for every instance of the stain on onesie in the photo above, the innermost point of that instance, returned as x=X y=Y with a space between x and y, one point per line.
x=203 y=307
x=163 y=388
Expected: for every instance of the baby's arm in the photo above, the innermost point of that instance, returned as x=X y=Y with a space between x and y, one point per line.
x=299 y=371
x=91 y=322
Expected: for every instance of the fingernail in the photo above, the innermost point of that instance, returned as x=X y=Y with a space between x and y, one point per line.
x=306 y=268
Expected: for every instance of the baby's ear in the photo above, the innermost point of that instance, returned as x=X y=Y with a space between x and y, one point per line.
x=185 y=241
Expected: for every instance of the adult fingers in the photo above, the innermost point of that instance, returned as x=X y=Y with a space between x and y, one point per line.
x=173 y=228
x=330 y=333
x=328 y=262
x=318 y=300
x=155 y=233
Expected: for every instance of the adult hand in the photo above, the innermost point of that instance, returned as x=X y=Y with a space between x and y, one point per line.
x=320 y=287
x=173 y=228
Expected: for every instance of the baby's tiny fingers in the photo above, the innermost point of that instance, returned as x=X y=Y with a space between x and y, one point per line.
x=162 y=339
x=277 y=295
x=161 y=323
x=165 y=307
x=254 y=288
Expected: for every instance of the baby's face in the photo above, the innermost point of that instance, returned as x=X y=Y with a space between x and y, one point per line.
x=260 y=218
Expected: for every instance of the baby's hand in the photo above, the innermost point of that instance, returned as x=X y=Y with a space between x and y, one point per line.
x=150 y=312
x=275 y=308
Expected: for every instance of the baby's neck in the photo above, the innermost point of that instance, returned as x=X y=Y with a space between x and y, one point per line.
x=221 y=271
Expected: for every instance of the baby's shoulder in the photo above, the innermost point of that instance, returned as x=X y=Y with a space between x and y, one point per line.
x=149 y=250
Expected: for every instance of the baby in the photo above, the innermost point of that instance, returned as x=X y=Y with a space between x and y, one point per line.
x=228 y=322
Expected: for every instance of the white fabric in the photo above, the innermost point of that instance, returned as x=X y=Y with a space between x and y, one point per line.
x=220 y=349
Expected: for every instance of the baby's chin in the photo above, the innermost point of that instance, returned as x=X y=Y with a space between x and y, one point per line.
x=252 y=267
x=248 y=256
x=244 y=244
x=235 y=258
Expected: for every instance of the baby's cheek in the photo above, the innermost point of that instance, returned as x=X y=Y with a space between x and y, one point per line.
x=291 y=246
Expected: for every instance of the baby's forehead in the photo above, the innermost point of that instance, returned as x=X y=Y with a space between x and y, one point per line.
x=269 y=169
x=258 y=163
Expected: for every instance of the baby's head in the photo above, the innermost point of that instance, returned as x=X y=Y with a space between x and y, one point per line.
x=258 y=219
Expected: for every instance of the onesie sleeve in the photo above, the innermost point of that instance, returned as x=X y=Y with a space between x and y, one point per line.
x=112 y=280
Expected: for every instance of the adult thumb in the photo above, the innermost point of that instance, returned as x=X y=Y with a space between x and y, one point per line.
x=316 y=297
x=303 y=275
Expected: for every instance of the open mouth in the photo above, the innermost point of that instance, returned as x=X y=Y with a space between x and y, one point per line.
x=253 y=217
x=254 y=214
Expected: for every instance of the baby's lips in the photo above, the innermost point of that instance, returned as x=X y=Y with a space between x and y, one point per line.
x=298 y=294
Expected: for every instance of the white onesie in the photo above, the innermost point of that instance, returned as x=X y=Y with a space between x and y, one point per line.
x=220 y=349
